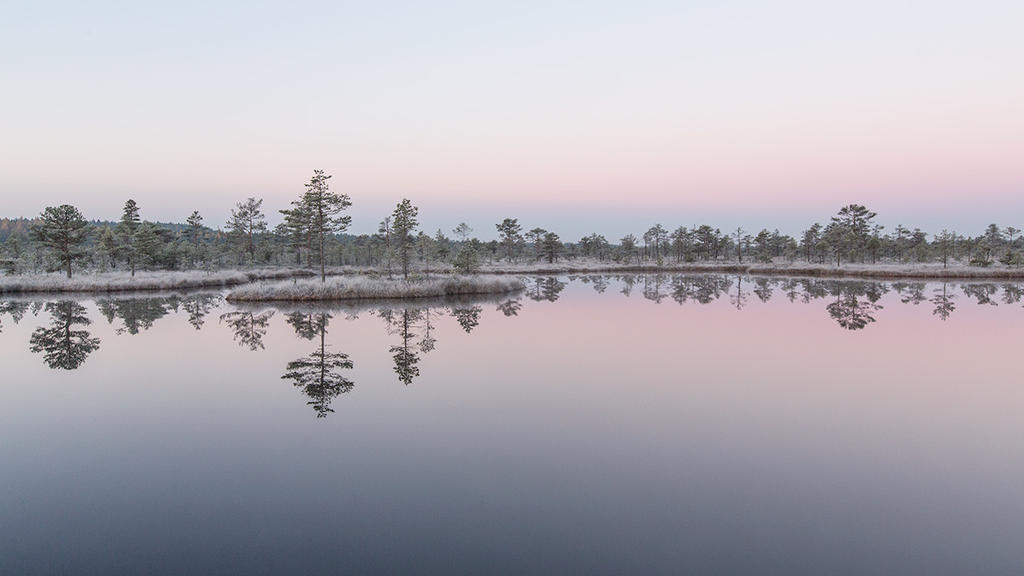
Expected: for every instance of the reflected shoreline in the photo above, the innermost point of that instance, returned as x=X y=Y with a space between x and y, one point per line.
x=65 y=342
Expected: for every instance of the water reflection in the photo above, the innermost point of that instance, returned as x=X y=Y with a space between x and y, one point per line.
x=318 y=375
x=852 y=312
x=852 y=304
x=135 y=314
x=62 y=346
x=249 y=327
x=544 y=288
x=198 y=306
x=16 y=310
x=943 y=302
x=403 y=322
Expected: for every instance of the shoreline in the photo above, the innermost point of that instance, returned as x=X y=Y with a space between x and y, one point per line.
x=354 y=288
x=865 y=271
x=119 y=282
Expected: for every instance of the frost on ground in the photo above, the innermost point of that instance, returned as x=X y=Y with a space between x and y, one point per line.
x=880 y=270
x=361 y=287
x=123 y=282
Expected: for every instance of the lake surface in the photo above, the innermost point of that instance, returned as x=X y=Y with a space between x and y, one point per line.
x=639 y=424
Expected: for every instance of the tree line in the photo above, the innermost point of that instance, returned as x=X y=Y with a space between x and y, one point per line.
x=313 y=234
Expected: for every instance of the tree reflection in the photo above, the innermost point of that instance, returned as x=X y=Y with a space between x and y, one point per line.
x=62 y=346
x=652 y=287
x=136 y=314
x=510 y=307
x=468 y=318
x=763 y=289
x=545 y=288
x=1012 y=293
x=910 y=293
x=403 y=322
x=249 y=327
x=983 y=293
x=851 y=312
x=318 y=375
x=198 y=306
x=740 y=299
x=943 y=302
x=16 y=310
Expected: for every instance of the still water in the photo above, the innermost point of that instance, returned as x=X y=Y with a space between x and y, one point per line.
x=641 y=424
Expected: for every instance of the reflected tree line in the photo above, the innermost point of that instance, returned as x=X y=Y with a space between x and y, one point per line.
x=65 y=342
x=852 y=303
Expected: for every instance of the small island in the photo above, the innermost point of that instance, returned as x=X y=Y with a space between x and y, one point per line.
x=365 y=288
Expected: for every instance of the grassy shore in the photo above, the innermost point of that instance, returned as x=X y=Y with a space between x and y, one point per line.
x=363 y=288
x=880 y=271
x=143 y=281
x=360 y=282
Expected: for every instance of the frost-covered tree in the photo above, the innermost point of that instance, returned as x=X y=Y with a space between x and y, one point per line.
x=246 y=223
x=462 y=231
x=851 y=230
x=384 y=235
x=534 y=237
x=628 y=247
x=551 y=246
x=403 y=225
x=62 y=230
x=127 y=229
x=148 y=245
x=323 y=209
x=193 y=235
x=944 y=244
x=810 y=239
x=509 y=232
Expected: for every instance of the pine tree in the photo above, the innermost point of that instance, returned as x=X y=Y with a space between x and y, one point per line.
x=127 y=230
x=463 y=231
x=62 y=230
x=551 y=246
x=323 y=209
x=247 y=220
x=509 y=230
x=852 y=229
x=148 y=245
x=404 y=223
x=193 y=234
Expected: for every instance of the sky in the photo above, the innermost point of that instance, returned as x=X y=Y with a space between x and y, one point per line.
x=577 y=117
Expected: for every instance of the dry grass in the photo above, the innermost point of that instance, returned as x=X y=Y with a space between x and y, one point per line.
x=887 y=270
x=147 y=281
x=364 y=288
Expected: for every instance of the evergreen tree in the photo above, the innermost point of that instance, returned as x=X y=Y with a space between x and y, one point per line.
x=193 y=234
x=384 y=234
x=810 y=239
x=404 y=223
x=462 y=231
x=148 y=245
x=551 y=246
x=247 y=221
x=62 y=230
x=126 y=232
x=323 y=209
x=628 y=246
x=852 y=229
x=508 y=231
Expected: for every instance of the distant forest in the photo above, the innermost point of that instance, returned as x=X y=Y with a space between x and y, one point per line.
x=313 y=235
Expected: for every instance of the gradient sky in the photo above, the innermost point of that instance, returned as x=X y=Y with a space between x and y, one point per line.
x=573 y=116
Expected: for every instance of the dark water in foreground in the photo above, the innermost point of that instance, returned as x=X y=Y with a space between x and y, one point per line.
x=703 y=424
